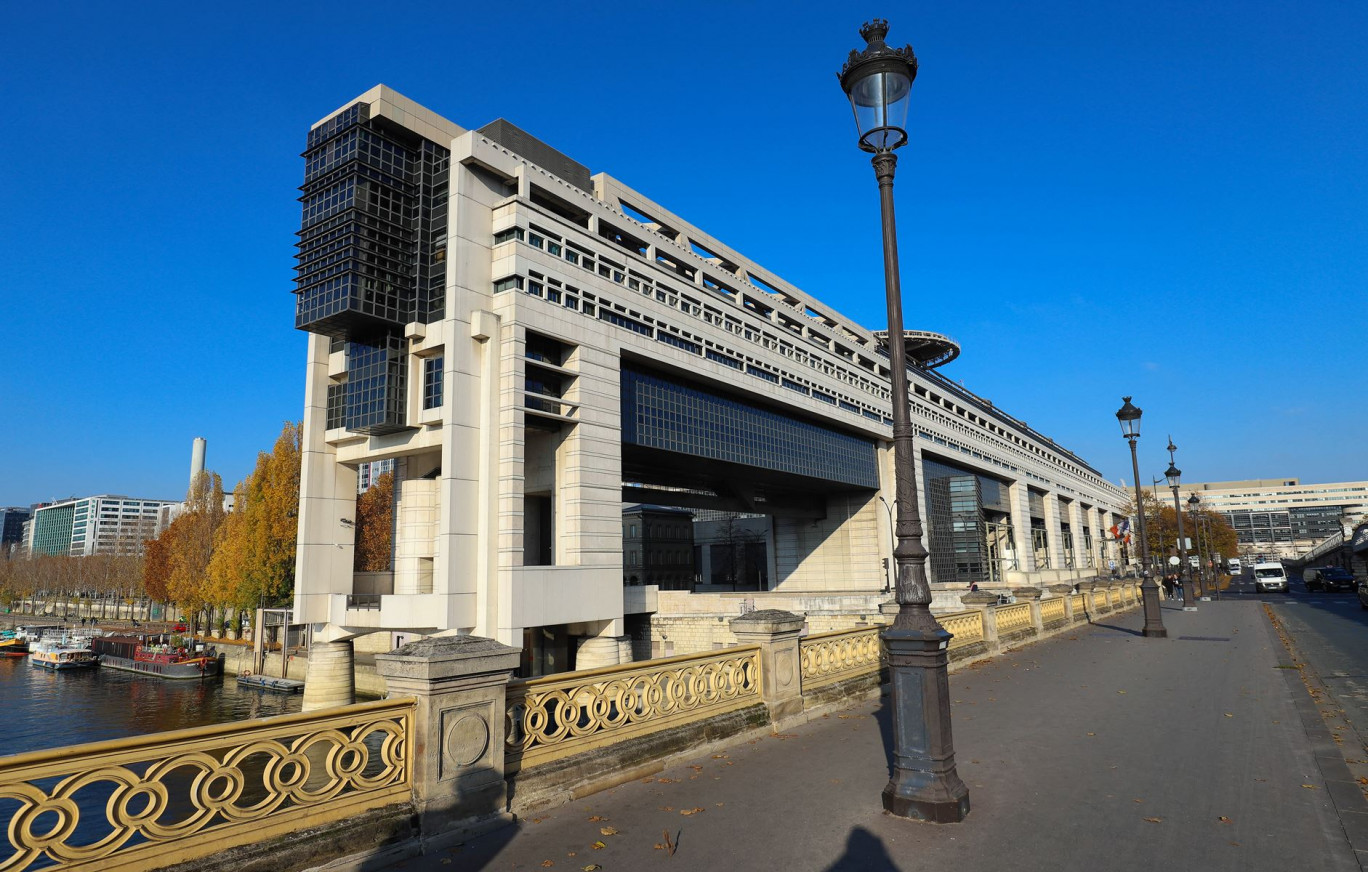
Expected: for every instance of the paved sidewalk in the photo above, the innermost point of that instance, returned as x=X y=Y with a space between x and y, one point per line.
x=1095 y=750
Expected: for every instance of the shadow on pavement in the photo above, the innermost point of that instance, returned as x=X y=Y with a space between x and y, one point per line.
x=864 y=852
x=1127 y=630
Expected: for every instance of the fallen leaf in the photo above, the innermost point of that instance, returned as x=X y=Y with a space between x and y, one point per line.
x=696 y=768
x=592 y=867
x=608 y=831
x=658 y=846
x=569 y=853
x=719 y=804
x=1155 y=820
x=1229 y=715
x=598 y=846
x=694 y=810
x=1223 y=819
x=1137 y=800
x=1310 y=787
x=667 y=808
x=547 y=864
x=719 y=756
x=537 y=820
x=1233 y=844
x=1120 y=691
x=731 y=762
x=1092 y=734
x=596 y=818
x=667 y=781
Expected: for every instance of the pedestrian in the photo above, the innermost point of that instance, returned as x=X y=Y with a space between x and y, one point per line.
x=1168 y=587
x=1178 y=586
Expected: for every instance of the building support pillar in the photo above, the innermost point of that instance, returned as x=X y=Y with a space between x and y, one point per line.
x=331 y=677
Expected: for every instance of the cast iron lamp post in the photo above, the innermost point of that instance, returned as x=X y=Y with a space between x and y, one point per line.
x=925 y=785
x=1203 y=550
x=1174 y=476
x=1129 y=416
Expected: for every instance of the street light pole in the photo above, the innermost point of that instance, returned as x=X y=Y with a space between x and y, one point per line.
x=925 y=785
x=1129 y=416
x=1174 y=476
x=893 y=540
x=1203 y=546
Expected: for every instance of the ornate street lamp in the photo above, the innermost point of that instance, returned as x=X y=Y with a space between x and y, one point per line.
x=1194 y=503
x=925 y=785
x=1174 y=476
x=1129 y=416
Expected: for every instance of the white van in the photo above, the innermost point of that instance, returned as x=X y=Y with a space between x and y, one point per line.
x=1233 y=566
x=1270 y=576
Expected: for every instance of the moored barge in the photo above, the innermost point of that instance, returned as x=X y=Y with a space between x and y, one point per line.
x=134 y=654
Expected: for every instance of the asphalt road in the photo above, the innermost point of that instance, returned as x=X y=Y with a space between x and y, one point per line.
x=1331 y=632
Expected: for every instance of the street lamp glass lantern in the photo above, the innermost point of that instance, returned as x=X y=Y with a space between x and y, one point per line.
x=878 y=82
x=1193 y=502
x=1129 y=416
x=1174 y=475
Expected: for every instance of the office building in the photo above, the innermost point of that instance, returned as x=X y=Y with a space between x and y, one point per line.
x=104 y=524
x=1281 y=517
x=538 y=347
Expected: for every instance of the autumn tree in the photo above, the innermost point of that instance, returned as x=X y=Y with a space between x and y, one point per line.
x=1161 y=529
x=375 y=525
x=190 y=544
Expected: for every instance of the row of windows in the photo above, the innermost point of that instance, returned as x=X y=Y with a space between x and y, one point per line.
x=551 y=243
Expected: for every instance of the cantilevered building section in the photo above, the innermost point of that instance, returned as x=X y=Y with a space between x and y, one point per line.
x=537 y=349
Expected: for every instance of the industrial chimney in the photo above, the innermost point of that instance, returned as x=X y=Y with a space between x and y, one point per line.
x=196 y=459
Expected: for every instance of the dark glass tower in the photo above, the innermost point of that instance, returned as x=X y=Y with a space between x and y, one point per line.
x=372 y=252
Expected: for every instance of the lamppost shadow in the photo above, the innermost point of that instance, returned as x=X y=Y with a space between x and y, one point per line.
x=864 y=852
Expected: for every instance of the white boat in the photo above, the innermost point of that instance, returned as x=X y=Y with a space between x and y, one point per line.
x=62 y=654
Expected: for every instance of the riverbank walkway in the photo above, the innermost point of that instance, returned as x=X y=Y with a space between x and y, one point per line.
x=1094 y=750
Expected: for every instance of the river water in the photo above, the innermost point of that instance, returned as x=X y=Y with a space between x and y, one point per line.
x=44 y=709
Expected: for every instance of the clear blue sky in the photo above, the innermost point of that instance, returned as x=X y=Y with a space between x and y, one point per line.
x=1168 y=200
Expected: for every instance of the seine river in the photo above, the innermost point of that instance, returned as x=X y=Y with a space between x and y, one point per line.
x=44 y=709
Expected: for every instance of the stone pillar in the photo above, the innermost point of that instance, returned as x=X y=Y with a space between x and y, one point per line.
x=985 y=602
x=1053 y=517
x=1082 y=551
x=781 y=681
x=459 y=726
x=1089 y=603
x=598 y=651
x=331 y=677
x=1032 y=596
x=1021 y=526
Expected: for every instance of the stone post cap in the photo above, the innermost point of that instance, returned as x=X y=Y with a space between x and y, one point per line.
x=1026 y=593
x=979 y=598
x=767 y=621
x=446 y=657
x=1086 y=584
x=1061 y=589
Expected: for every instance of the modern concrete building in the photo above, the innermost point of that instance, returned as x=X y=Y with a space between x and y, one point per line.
x=1281 y=517
x=536 y=347
x=103 y=524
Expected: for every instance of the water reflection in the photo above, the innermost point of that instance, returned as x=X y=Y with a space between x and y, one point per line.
x=45 y=709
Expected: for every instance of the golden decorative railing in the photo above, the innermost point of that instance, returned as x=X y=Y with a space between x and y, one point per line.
x=1080 y=605
x=1052 y=609
x=1014 y=617
x=829 y=657
x=967 y=627
x=561 y=715
x=164 y=798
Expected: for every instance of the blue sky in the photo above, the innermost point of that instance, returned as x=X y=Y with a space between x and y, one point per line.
x=1168 y=200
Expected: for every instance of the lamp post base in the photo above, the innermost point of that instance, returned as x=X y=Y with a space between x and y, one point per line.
x=925 y=785
x=1154 y=621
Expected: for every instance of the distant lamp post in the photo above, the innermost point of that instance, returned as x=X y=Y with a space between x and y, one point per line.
x=1175 y=476
x=1129 y=416
x=1194 y=504
x=925 y=785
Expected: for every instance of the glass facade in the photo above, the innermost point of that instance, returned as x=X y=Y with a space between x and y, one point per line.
x=52 y=529
x=965 y=516
x=375 y=386
x=372 y=253
x=664 y=413
x=432 y=382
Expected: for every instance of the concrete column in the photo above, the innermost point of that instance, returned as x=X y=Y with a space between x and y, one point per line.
x=1032 y=596
x=1056 y=533
x=1021 y=526
x=594 y=652
x=459 y=727
x=781 y=683
x=985 y=602
x=331 y=679
x=1077 y=521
